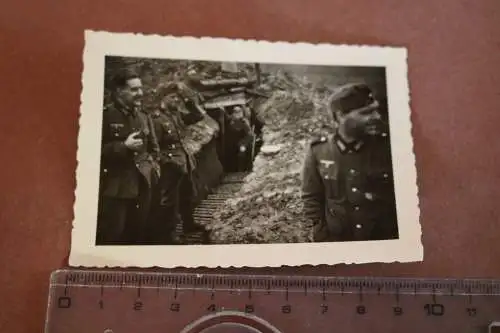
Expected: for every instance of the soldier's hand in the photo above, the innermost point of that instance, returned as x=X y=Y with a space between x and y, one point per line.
x=133 y=142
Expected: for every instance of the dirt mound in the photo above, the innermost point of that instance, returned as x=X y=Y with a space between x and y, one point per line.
x=268 y=208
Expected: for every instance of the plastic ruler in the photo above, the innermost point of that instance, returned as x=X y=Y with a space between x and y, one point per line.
x=83 y=301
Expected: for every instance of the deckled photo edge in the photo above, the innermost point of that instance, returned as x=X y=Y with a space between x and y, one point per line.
x=402 y=146
x=85 y=253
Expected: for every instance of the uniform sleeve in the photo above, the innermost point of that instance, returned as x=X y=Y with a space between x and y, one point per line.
x=312 y=188
x=153 y=139
x=114 y=149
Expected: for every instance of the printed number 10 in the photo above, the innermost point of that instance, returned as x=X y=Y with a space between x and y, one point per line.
x=434 y=309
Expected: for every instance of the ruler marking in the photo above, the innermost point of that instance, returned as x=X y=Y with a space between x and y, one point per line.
x=360 y=293
x=249 y=289
x=212 y=295
x=434 y=295
x=125 y=286
x=86 y=278
x=158 y=285
x=231 y=286
x=195 y=283
x=397 y=294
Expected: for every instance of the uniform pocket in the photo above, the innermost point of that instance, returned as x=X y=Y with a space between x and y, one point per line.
x=336 y=216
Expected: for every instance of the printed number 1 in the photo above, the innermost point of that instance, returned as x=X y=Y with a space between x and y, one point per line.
x=398 y=311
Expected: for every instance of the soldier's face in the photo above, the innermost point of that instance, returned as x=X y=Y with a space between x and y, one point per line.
x=238 y=112
x=131 y=94
x=170 y=102
x=362 y=122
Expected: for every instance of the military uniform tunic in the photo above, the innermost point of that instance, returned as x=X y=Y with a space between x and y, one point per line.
x=127 y=176
x=348 y=189
x=170 y=129
x=174 y=204
x=121 y=166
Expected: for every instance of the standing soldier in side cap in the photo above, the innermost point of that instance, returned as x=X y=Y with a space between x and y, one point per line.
x=176 y=186
x=129 y=166
x=347 y=180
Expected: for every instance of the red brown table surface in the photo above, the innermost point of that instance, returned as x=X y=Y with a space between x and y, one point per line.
x=454 y=67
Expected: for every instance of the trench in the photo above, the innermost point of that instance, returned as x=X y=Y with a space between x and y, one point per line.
x=203 y=214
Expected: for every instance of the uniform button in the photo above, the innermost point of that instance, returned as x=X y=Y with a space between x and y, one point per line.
x=359 y=226
x=169 y=155
x=352 y=171
x=384 y=134
x=369 y=196
x=386 y=175
x=173 y=146
x=326 y=177
x=137 y=165
x=354 y=189
x=169 y=131
x=105 y=170
x=356 y=208
x=116 y=134
x=136 y=206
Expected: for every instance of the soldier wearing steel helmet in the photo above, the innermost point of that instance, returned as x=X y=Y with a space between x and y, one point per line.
x=347 y=179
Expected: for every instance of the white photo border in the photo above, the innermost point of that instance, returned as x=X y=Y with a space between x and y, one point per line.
x=98 y=44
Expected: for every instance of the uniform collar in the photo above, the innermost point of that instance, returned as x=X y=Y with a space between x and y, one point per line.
x=347 y=147
x=127 y=110
x=156 y=113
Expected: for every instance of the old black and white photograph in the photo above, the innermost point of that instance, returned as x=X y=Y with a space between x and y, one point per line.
x=218 y=152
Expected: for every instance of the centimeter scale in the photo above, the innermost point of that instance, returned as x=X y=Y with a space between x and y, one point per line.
x=131 y=301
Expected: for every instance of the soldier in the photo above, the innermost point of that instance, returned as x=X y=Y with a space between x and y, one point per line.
x=347 y=185
x=176 y=186
x=240 y=139
x=129 y=166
